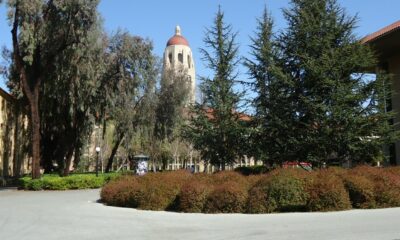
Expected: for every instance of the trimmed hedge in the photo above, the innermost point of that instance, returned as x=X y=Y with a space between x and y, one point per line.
x=75 y=181
x=327 y=193
x=281 y=190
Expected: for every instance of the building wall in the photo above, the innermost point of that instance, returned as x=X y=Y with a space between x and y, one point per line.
x=394 y=70
x=14 y=138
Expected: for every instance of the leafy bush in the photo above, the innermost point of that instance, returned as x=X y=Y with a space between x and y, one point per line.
x=193 y=196
x=252 y=170
x=123 y=192
x=386 y=184
x=229 y=197
x=161 y=190
x=361 y=190
x=75 y=181
x=327 y=193
x=282 y=191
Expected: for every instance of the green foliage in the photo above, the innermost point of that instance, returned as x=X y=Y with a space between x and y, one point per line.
x=312 y=104
x=125 y=87
x=75 y=181
x=216 y=129
x=280 y=192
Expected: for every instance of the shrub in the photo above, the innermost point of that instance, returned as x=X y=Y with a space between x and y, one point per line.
x=386 y=184
x=227 y=176
x=361 y=190
x=327 y=193
x=282 y=191
x=257 y=200
x=193 y=196
x=252 y=170
x=123 y=192
x=229 y=197
x=74 y=181
x=161 y=190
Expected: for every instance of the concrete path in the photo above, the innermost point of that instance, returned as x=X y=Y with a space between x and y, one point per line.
x=76 y=215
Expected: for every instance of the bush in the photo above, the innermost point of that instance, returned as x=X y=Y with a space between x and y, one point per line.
x=75 y=181
x=193 y=196
x=282 y=191
x=229 y=197
x=386 y=184
x=252 y=170
x=161 y=190
x=228 y=176
x=361 y=191
x=123 y=192
x=327 y=193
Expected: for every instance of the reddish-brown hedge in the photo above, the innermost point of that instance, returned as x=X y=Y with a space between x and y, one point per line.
x=326 y=193
x=193 y=196
x=229 y=197
x=122 y=192
x=361 y=190
x=280 y=190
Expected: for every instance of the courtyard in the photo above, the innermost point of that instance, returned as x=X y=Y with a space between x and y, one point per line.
x=77 y=215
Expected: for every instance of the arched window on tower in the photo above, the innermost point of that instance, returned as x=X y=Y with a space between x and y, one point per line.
x=170 y=58
x=180 y=57
x=189 y=62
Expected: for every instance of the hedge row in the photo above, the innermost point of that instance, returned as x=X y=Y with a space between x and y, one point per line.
x=281 y=190
x=75 y=181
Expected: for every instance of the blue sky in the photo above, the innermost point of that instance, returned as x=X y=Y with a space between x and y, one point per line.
x=156 y=20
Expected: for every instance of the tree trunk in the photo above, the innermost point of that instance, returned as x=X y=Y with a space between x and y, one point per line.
x=35 y=124
x=113 y=152
x=68 y=161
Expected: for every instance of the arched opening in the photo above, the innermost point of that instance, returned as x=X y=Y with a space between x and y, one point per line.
x=180 y=57
x=189 y=62
x=170 y=58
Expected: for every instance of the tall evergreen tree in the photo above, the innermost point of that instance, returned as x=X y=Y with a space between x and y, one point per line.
x=216 y=129
x=272 y=135
x=334 y=118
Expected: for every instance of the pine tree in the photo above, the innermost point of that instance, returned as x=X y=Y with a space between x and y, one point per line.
x=216 y=129
x=336 y=117
x=272 y=136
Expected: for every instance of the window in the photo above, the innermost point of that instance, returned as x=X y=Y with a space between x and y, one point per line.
x=180 y=57
x=170 y=58
x=188 y=60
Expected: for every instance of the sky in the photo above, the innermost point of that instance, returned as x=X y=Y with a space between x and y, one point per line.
x=156 y=20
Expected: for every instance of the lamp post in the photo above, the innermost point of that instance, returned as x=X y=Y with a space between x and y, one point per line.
x=97 y=161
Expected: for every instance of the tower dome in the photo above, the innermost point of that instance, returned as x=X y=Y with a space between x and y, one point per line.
x=177 y=39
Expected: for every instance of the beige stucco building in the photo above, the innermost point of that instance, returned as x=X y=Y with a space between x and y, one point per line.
x=14 y=138
x=386 y=44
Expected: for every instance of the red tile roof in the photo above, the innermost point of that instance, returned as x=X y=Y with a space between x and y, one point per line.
x=177 y=40
x=382 y=32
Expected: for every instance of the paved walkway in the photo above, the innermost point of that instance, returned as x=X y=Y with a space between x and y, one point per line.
x=76 y=215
